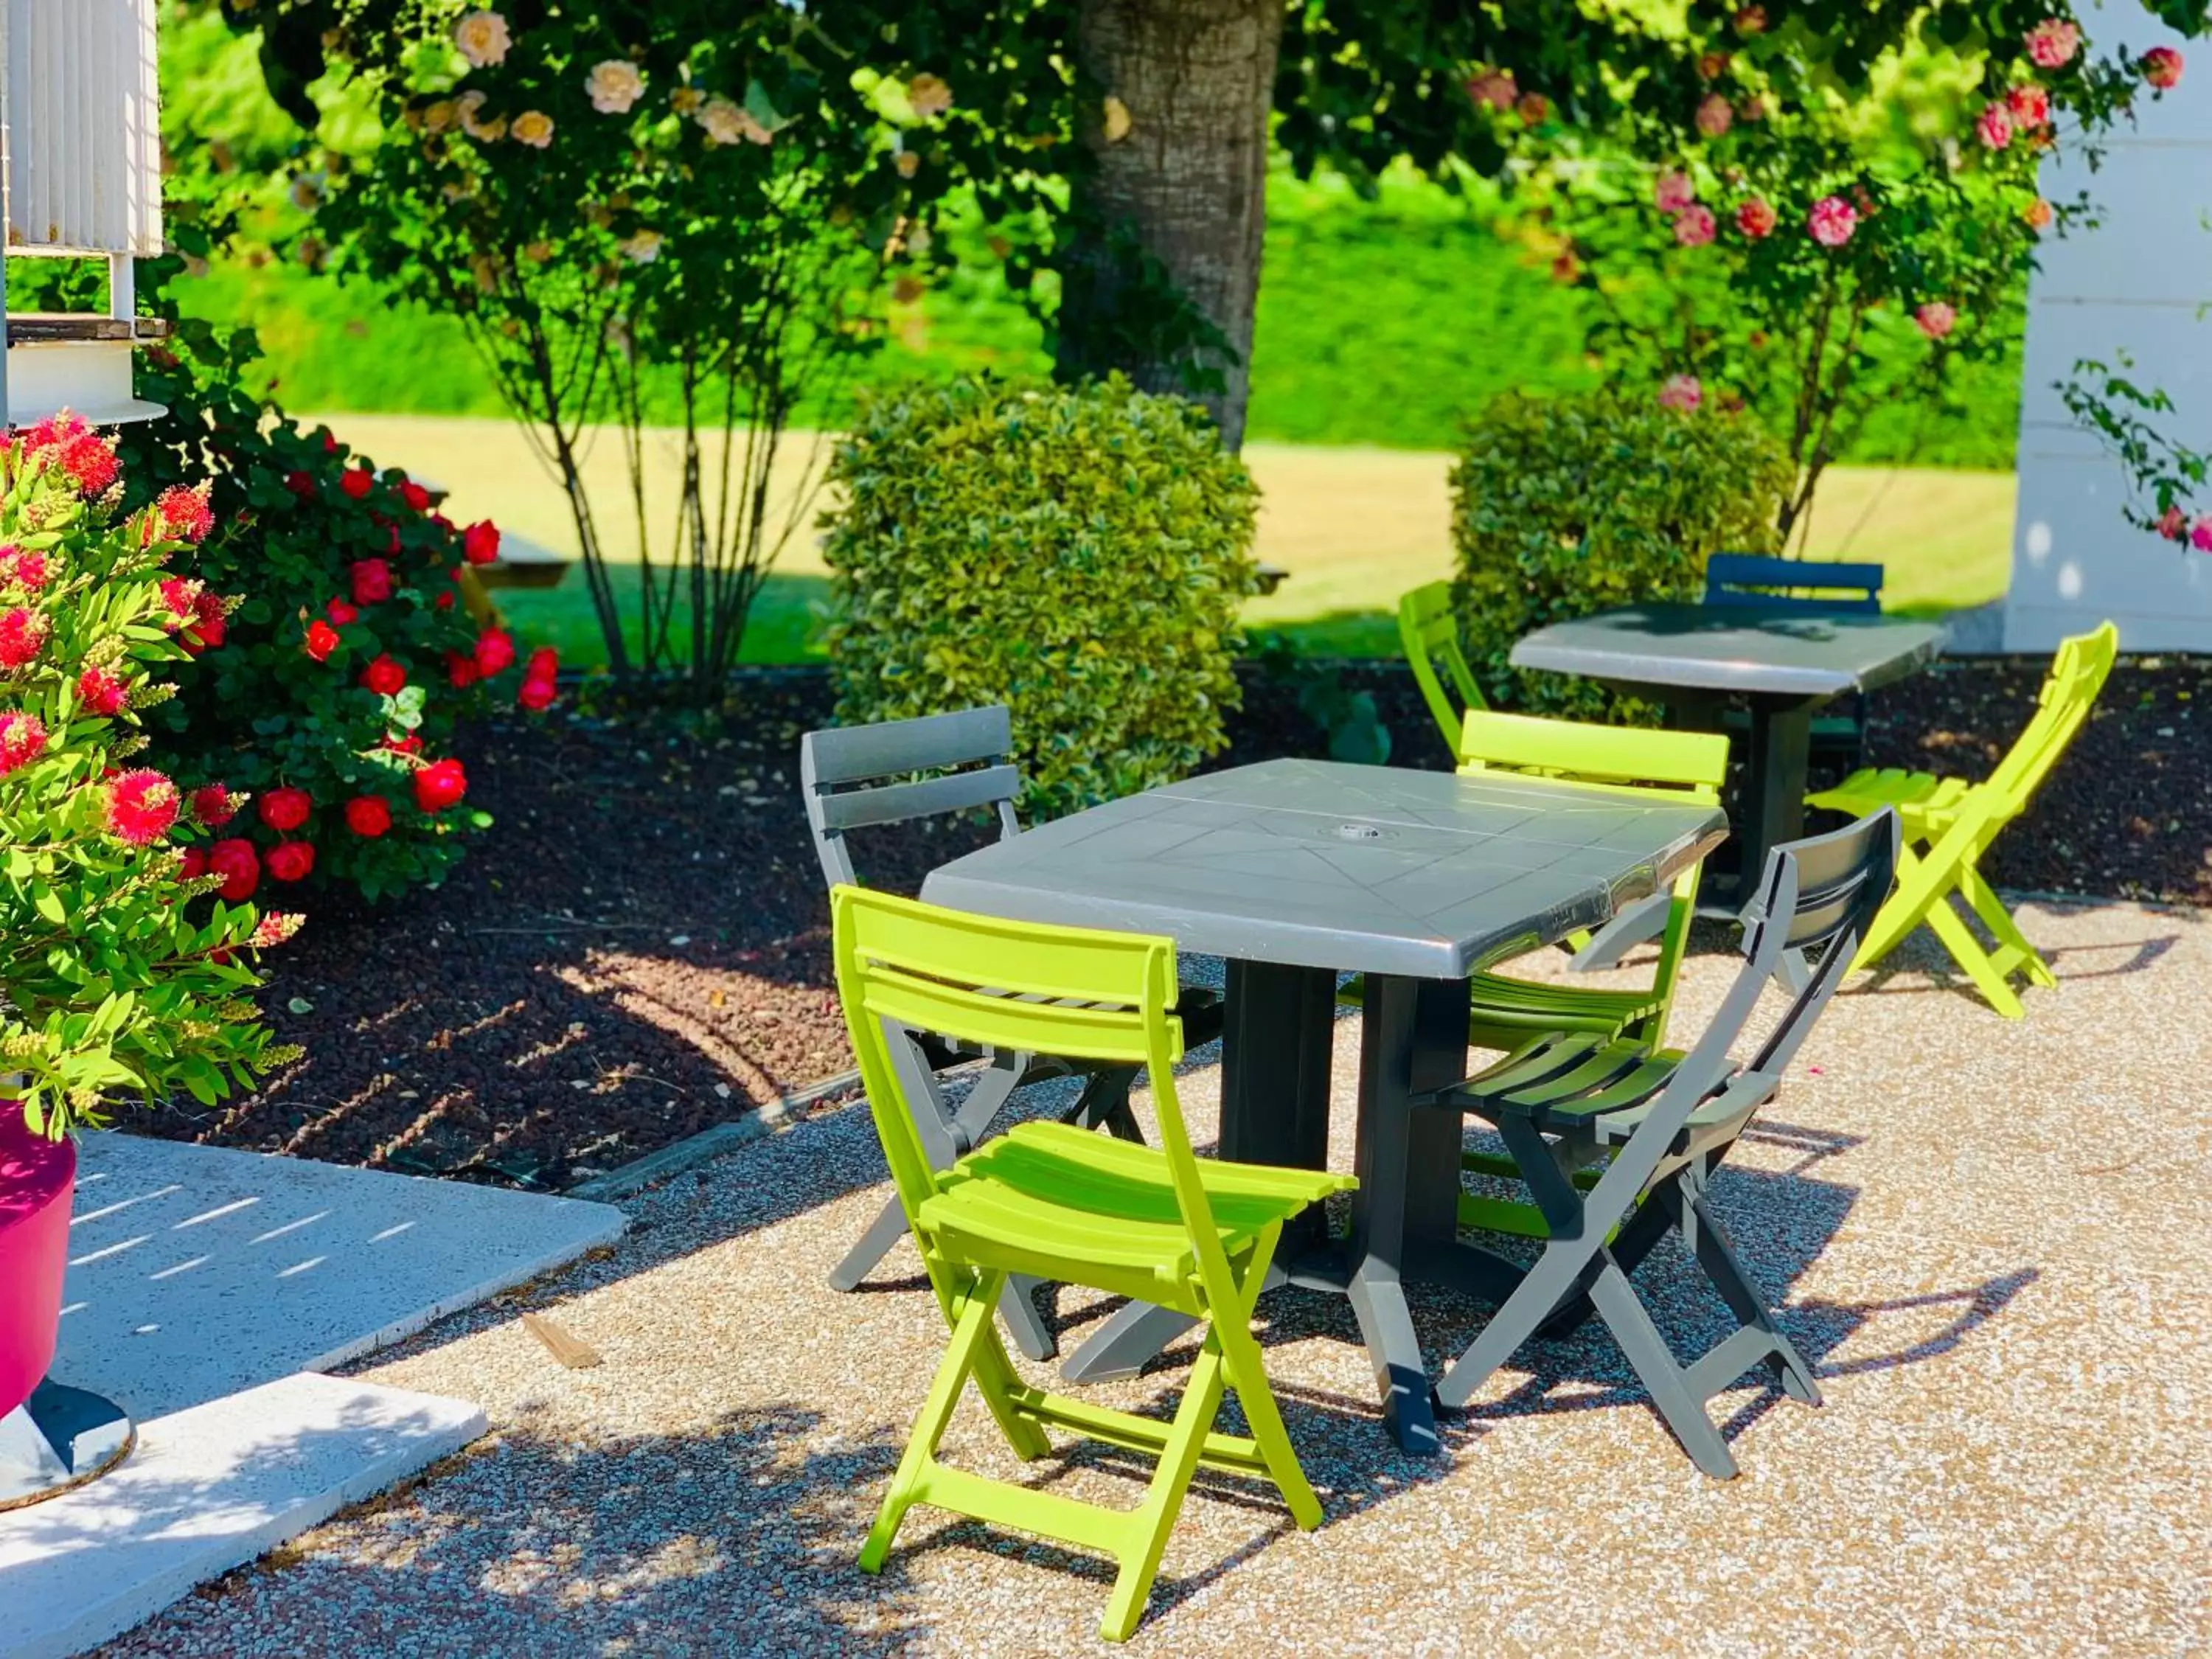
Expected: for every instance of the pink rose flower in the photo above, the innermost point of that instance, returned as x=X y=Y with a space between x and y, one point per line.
x=1756 y=219
x=1674 y=191
x=2029 y=107
x=2200 y=534
x=2053 y=43
x=1694 y=226
x=1935 y=319
x=2161 y=67
x=1832 y=221
x=1714 y=115
x=2173 y=524
x=1681 y=393
x=1497 y=89
x=1995 y=127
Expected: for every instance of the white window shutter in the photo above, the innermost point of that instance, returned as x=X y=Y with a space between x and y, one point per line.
x=83 y=127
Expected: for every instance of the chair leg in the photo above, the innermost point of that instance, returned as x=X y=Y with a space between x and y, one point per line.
x=968 y=1353
x=1154 y=1520
x=1719 y=1261
x=1246 y=1372
x=885 y=1231
x=1104 y=1104
x=1661 y=1374
x=1999 y=922
x=1966 y=951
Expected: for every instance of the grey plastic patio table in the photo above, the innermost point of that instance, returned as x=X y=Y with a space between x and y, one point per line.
x=1785 y=665
x=1293 y=872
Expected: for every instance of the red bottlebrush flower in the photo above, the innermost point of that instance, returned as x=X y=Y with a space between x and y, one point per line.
x=372 y=581
x=239 y=867
x=357 y=481
x=439 y=785
x=415 y=495
x=445 y=600
x=182 y=595
x=495 y=652
x=537 y=696
x=342 y=612
x=24 y=568
x=322 y=640
x=410 y=744
x=291 y=860
x=185 y=513
x=90 y=461
x=480 y=542
x=142 y=806
x=22 y=637
x=212 y=805
x=461 y=670
x=368 y=816
x=302 y=484
x=194 y=866
x=100 y=692
x=285 y=810
x=22 y=740
x=384 y=676
x=210 y=626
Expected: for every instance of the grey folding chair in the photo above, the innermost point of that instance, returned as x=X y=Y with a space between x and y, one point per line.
x=897 y=772
x=1668 y=1118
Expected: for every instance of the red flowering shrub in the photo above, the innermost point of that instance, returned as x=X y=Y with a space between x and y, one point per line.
x=331 y=691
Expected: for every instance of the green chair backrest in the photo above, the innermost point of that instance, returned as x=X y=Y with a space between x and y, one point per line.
x=1429 y=631
x=1681 y=763
x=2078 y=672
x=1014 y=986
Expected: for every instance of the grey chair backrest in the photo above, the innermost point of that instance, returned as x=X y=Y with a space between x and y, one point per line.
x=1759 y=581
x=1821 y=893
x=857 y=777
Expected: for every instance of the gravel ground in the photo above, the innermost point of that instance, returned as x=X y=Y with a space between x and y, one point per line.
x=639 y=949
x=1981 y=1234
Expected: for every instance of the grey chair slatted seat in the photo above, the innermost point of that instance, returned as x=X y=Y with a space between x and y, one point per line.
x=1665 y=1119
x=1760 y=581
x=866 y=777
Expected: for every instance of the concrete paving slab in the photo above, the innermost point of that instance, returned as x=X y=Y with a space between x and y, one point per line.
x=197 y=1272
x=207 y=1490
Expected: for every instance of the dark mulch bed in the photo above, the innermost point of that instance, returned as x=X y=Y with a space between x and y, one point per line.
x=638 y=951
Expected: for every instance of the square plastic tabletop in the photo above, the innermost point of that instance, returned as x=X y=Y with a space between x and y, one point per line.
x=1316 y=864
x=1720 y=647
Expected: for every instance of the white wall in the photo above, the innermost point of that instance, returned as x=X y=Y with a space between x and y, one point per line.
x=2141 y=283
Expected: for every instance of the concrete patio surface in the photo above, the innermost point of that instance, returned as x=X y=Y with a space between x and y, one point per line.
x=1988 y=1237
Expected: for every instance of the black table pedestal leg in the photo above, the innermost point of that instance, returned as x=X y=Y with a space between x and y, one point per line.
x=1779 y=763
x=1274 y=1109
x=1413 y=1041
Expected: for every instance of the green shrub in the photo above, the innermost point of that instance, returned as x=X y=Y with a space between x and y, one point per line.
x=1563 y=507
x=1078 y=554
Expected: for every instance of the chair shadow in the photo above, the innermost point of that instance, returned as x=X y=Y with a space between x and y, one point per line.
x=1922 y=954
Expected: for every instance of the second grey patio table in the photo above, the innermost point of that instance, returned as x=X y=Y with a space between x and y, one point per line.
x=1293 y=872
x=1785 y=665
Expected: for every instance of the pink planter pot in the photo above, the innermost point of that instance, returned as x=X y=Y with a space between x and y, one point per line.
x=37 y=1178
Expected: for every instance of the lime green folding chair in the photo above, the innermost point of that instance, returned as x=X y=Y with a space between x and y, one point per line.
x=1506 y=1012
x=1948 y=824
x=1056 y=1202
x=1430 y=633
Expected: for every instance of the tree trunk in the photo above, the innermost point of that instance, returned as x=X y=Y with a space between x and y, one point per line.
x=1172 y=209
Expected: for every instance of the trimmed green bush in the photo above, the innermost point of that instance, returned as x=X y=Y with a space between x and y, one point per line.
x=1567 y=505
x=1078 y=554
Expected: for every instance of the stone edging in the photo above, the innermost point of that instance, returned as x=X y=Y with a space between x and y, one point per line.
x=692 y=1151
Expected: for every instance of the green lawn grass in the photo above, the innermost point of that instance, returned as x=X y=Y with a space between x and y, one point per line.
x=1355 y=526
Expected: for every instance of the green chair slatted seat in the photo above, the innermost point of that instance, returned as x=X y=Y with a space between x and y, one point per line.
x=1949 y=822
x=1506 y=1012
x=1054 y=1201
